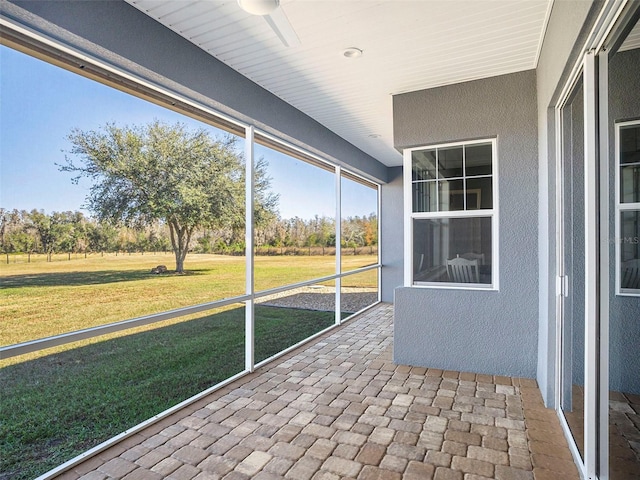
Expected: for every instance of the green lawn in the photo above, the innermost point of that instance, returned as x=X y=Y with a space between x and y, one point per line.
x=57 y=406
x=40 y=299
x=60 y=402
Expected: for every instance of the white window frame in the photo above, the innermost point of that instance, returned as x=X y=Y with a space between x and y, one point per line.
x=410 y=216
x=621 y=207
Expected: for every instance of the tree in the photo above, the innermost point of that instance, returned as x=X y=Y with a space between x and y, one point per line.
x=8 y=224
x=4 y=220
x=160 y=172
x=102 y=237
x=42 y=224
x=80 y=233
x=20 y=241
x=62 y=232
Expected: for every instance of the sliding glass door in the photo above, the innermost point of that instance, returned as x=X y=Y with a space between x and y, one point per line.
x=598 y=200
x=572 y=265
x=623 y=276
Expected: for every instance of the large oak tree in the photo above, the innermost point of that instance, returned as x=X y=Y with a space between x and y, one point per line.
x=162 y=172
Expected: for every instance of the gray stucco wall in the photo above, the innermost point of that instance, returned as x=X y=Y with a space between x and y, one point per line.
x=568 y=25
x=391 y=235
x=116 y=32
x=624 y=313
x=479 y=331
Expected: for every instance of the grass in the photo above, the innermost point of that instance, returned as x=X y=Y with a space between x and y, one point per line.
x=57 y=406
x=58 y=403
x=43 y=299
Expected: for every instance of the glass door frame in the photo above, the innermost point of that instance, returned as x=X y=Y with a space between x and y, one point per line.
x=613 y=36
x=608 y=32
x=585 y=72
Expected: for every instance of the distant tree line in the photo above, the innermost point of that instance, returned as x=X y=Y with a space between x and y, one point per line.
x=36 y=232
x=160 y=187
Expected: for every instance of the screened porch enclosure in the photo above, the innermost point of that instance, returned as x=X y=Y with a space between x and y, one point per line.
x=123 y=340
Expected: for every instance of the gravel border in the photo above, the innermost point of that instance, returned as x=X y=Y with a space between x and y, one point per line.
x=320 y=297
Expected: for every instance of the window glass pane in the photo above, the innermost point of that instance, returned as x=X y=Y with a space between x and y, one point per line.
x=630 y=164
x=451 y=195
x=630 y=144
x=478 y=162
x=450 y=162
x=358 y=291
x=68 y=245
x=630 y=250
x=424 y=197
x=424 y=165
x=359 y=212
x=295 y=237
x=452 y=250
x=479 y=193
x=66 y=400
x=286 y=318
x=630 y=184
x=478 y=159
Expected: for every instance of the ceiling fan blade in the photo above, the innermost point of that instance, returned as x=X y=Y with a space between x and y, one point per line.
x=279 y=23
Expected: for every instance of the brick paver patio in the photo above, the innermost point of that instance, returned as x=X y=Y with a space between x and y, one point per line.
x=339 y=408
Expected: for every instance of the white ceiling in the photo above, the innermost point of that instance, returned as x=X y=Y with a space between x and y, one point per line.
x=407 y=45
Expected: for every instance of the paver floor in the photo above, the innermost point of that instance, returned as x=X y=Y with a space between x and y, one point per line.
x=338 y=408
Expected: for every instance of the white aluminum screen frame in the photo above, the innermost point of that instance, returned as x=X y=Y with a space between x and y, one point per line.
x=250 y=295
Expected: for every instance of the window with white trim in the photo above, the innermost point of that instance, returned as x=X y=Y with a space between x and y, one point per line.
x=628 y=208
x=452 y=204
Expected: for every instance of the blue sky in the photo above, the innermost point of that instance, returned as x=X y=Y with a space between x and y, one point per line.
x=39 y=106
